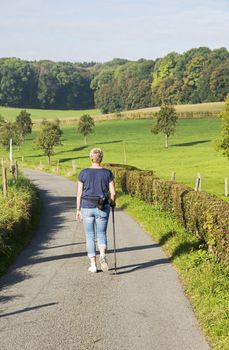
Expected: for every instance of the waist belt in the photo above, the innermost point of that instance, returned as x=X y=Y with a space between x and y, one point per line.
x=96 y=200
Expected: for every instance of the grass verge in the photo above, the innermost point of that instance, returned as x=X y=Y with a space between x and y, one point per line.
x=19 y=214
x=205 y=280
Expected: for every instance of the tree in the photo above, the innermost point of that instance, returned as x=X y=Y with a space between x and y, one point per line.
x=49 y=137
x=85 y=127
x=19 y=139
x=121 y=87
x=219 y=81
x=222 y=143
x=166 y=122
x=9 y=130
x=24 y=122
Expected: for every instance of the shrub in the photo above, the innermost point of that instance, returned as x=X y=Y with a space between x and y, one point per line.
x=203 y=214
x=17 y=212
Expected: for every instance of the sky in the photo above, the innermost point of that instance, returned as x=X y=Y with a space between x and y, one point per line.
x=100 y=30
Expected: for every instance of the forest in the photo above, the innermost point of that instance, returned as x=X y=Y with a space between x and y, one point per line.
x=198 y=75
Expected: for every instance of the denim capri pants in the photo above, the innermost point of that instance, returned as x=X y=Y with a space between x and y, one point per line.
x=95 y=225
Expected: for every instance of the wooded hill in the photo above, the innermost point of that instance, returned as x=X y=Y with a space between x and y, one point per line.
x=198 y=75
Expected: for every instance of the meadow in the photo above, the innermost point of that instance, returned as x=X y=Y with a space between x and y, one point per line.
x=191 y=150
x=10 y=113
x=197 y=110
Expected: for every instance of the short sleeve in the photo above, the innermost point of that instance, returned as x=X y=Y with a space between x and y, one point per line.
x=110 y=176
x=81 y=176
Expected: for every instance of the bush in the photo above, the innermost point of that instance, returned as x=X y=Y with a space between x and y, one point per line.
x=203 y=214
x=208 y=217
x=17 y=213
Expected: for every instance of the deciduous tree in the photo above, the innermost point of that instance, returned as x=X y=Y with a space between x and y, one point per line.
x=9 y=130
x=166 y=122
x=49 y=136
x=222 y=143
x=24 y=122
x=86 y=125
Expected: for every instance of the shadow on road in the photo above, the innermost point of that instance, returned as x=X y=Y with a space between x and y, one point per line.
x=63 y=245
x=53 y=208
x=42 y=259
x=145 y=265
x=5 y=299
x=27 y=309
x=134 y=248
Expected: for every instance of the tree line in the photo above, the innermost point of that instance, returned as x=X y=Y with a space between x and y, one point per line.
x=45 y=84
x=198 y=75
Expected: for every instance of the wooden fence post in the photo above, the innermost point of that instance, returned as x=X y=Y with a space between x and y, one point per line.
x=4 y=181
x=226 y=187
x=173 y=176
x=198 y=183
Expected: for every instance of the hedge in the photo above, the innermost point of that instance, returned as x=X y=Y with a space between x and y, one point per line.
x=203 y=214
x=17 y=213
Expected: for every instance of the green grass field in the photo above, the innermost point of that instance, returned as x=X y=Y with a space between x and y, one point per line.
x=37 y=115
x=198 y=107
x=130 y=141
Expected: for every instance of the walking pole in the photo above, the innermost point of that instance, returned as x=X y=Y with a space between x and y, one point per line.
x=114 y=237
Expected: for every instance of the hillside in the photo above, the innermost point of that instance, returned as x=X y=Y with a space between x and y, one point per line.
x=190 y=110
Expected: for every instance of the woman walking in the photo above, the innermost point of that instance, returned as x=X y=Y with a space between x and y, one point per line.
x=93 y=206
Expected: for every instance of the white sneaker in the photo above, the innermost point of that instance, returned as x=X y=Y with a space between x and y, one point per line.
x=92 y=268
x=104 y=263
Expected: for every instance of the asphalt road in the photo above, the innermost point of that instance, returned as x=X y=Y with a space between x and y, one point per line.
x=48 y=300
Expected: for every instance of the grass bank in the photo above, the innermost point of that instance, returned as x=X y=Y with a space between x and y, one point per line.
x=19 y=213
x=205 y=280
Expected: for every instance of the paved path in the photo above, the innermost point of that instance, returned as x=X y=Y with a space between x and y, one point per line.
x=48 y=300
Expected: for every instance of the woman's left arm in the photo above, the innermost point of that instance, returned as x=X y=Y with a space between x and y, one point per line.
x=112 y=191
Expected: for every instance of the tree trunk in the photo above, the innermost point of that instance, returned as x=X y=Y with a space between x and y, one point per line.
x=85 y=139
x=166 y=141
x=49 y=157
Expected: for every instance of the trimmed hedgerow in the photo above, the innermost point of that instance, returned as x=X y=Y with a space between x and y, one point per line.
x=203 y=214
x=208 y=217
x=18 y=214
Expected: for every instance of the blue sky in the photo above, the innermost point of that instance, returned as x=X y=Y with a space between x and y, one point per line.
x=99 y=30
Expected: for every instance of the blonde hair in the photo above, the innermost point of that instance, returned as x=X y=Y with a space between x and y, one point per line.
x=96 y=155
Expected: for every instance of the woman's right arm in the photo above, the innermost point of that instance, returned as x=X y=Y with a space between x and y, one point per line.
x=78 y=201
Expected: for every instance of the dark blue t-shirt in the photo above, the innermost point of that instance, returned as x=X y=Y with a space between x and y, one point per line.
x=95 y=184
